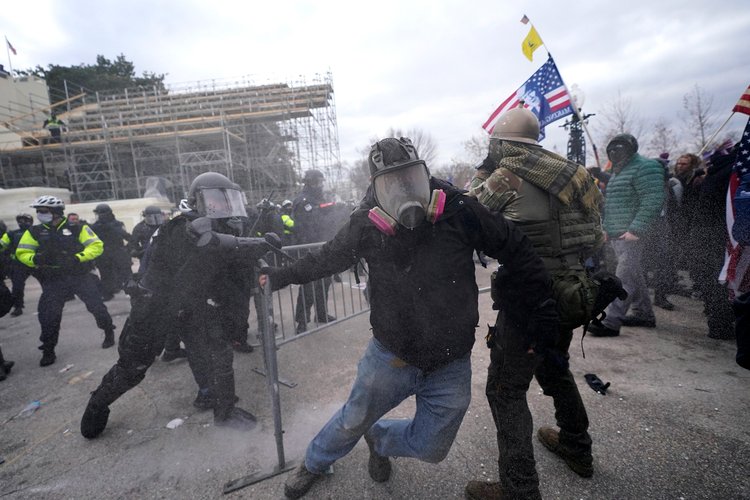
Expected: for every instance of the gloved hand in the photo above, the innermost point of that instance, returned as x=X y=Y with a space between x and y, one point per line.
x=542 y=328
x=272 y=273
x=70 y=260
x=40 y=259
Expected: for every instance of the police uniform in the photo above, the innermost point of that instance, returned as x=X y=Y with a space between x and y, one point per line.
x=311 y=226
x=66 y=252
x=183 y=287
x=17 y=272
x=114 y=264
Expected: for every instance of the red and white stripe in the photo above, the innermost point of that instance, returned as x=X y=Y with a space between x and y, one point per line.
x=558 y=98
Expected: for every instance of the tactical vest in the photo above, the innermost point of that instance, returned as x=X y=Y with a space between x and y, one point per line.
x=561 y=234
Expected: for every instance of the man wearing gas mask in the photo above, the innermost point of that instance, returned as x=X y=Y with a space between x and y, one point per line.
x=185 y=281
x=418 y=235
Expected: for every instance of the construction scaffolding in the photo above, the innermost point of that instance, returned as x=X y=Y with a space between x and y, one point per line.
x=118 y=145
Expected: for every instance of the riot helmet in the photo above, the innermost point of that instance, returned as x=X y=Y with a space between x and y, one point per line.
x=153 y=216
x=313 y=181
x=24 y=221
x=104 y=212
x=214 y=196
x=286 y=204
x=400 y=180
x=621 y=149
x=517 y=125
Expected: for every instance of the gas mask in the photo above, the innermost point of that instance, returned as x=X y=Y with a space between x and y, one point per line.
x=403 y=197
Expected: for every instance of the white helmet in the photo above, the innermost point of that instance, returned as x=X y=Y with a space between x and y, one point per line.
x=50 y=202
x=287 y=204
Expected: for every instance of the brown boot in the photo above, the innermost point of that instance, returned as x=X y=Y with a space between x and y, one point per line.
x=484 y=490
x=550 y=438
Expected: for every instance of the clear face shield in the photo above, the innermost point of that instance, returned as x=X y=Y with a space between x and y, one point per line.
x=404 y=193
x=154 y=219
x=221 y=203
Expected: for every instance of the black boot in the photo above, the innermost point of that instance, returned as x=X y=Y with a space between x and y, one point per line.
x=234 y=418
x=225 y=413
x=17 y=311
x=109 y=338
x=94 y=419
x=5 y=367
x=48 y=357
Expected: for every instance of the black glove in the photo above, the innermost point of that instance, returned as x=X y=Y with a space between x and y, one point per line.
x=596 y=383
x=542 y=328
x=70 y=260
x=40 y=259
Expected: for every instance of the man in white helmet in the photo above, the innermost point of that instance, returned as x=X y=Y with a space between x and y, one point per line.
x=555 y=202
x=60 y=255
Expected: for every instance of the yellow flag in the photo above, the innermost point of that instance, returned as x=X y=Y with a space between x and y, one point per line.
x=531 y=43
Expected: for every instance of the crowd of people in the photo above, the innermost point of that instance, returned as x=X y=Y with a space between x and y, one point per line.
x=574 y=248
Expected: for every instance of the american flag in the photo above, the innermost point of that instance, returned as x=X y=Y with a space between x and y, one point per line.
x=743 y=105
x=544 y=94
x=736 y=270
x=11 y=47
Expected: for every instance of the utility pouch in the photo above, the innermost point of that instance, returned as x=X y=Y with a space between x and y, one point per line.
x=499 y=284
x=491 y=336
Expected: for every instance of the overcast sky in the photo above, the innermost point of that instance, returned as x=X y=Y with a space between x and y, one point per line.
x=440 y=66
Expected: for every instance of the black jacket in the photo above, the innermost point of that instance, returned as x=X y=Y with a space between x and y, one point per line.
x=423 y=291
x=190 y=278
x=113 y=235
x=142 y=233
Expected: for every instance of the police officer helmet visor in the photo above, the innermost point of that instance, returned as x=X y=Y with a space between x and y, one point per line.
x=154 y=219
x=221 y=203
x=404 y=192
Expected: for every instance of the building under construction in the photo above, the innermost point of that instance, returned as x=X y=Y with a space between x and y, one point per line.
x=126 y=144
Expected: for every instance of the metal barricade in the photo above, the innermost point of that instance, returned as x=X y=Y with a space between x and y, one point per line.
x=345 y=298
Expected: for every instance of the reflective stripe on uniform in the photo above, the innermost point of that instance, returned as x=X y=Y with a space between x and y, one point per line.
x=28 y=246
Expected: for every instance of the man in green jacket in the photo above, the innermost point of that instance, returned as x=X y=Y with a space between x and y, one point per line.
x=635 y=195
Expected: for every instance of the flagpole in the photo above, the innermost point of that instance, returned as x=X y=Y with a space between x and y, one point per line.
x=574 y=106
x=7 y=49
x=715 y=134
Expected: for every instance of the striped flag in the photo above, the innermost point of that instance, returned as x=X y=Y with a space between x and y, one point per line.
x=544 y=94
x=736 y=270
x=743 y=105
x=11 y=47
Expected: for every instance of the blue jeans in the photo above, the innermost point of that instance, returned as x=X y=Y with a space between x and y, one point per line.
x=383 y=382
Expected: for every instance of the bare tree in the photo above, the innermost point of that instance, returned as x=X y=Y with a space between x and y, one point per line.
x=476 y=149
x=425 y=144
x=620 y=117
x=700 y=118
x=662 y=139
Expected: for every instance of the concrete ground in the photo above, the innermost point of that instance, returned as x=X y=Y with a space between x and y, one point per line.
x=674 y=424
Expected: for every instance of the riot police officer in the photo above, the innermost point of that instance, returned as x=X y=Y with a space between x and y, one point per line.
x=185 y=279
x=308 y=212
x=60 y=256
x=17 y=272
x=114 y=264
x=153 y=217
